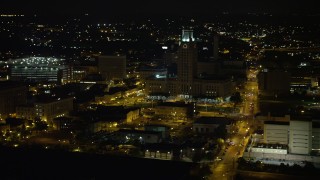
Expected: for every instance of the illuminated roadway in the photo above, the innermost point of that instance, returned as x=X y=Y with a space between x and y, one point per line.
x=226 y=168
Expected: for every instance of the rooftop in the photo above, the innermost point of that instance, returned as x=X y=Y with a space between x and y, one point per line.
x=156 y=125
x=37 y=61
x=133 y=131
x=213 y=120
x=276 y=122
x=271 y=146
x=301 y=118
x=174 y=104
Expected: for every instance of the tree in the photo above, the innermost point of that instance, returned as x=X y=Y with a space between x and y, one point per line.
x=283 y=167
x=197 y=156
x=14 y=122
x=238 y=177
x=309 y=166
x=40 y=125
x=208 y=155
x=205 y=170
x=296 y=167
x=236 y=98
x=241 y=161
x=259 y=165
x=221 y=131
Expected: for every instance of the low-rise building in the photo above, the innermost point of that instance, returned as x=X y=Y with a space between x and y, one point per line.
x=26 y=112
x=158 y=128
x=300 y=136
x=209 y=124
x=62 y=123
x=12 y=94
x=297 y=134
x=48 y=109
x=143 y=137
x=316 y=135
x=276 y=132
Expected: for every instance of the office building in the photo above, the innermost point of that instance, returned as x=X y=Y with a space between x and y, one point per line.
x=26 y=111
x=274 y=82
x=299 y=134
x=316 y=136
x=49 y=109
x=276 y=132
x=188 y=83
x=300 y=137
x=12 y=94
x=112 y=67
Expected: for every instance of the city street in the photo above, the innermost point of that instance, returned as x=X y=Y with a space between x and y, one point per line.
x=226 y=168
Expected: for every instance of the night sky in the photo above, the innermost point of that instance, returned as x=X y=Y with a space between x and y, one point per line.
x=157 y=6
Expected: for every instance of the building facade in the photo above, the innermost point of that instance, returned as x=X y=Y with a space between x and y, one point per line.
x=188 y=83
x=300 y=137
x=112 y=67
x=205 y=125
x=316 y=137
x=274 y=82
x=276 y=132
x=26 y=112
x=298 y=134
x=11 y=96
x=49 y=110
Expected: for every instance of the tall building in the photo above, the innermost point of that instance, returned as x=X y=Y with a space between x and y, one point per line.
x=187 y=35
x=188 y=83
x=12 y=94
x=187 y=66
x=274 y=82
x=112 y=67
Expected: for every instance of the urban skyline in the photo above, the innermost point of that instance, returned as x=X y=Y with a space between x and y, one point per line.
x=159 y=90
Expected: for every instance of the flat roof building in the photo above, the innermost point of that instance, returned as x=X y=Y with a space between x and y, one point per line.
x=276 y=132
x=112 y=67
x=300 y=137
x=296 y=133
x=12 y=94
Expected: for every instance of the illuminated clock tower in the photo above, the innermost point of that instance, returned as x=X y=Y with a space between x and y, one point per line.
x=187 y=62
